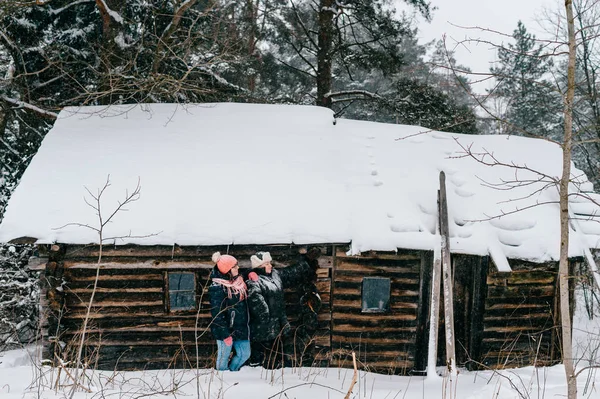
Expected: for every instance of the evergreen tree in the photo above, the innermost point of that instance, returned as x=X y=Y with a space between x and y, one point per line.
x=531 y=104
x=313 y=46
x=19 y=297
x=586 y=111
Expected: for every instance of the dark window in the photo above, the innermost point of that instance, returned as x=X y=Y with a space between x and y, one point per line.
x=182 y=291
x=375 y=294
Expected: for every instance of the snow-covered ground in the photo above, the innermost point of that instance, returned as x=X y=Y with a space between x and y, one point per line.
x=21 y=377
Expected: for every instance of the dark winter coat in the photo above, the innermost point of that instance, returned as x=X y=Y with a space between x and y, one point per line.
x=229 y=315
x=266 y=300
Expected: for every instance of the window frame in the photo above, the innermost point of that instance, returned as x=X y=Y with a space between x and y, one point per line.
x=168 y=291
x=388 y=306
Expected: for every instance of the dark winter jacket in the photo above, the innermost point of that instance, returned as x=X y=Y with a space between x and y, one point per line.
x=229 y=315
x=266 y=300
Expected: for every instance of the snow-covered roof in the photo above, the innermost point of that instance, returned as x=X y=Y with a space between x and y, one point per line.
x=227 y=173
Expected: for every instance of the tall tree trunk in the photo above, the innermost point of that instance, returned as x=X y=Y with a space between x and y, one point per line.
x=563 y=268
x=252 y=16
x=325 y=44
x=111 y=14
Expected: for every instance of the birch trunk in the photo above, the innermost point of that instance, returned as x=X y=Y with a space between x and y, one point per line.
x=563 y=268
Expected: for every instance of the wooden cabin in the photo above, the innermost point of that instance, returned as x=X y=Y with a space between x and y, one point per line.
x=239 y=178
x=501 y=319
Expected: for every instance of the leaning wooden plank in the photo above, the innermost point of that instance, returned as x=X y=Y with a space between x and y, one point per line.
x=447 y=277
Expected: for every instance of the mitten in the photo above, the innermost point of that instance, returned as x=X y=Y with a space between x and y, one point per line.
x=228 y=341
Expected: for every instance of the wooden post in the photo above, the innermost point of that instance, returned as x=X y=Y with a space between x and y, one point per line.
x=423 y=315
x=477 y=310
x=447 y=277
x=52 y=299
x=434 y=310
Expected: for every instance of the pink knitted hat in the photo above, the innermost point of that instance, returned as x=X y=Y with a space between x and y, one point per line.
x=224 y=262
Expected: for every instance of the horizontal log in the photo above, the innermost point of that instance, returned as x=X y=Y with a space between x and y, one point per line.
x=357 y=304
x=391 y=366
x=116 y=312
x=372 y=255
x=512 y=329
x=414 y=281
x=116 y=284
x=340 y=327
x=338 y=337
x=521 y=265
x=357 y=268
x=546 y=339
x=139 y=265
x=378 y=317
x=137 y=314
x=535 y=307
x=108 y=304
x=522 y=278
x=134 y=321
x=287 y=252
x=113 y=290
x=107 y=277
x=204 y=343
x=518 y=336
x=322 y=341
x=143 y=329
x=154 y=298
x=521 y=319
x=170 y=337
x=521 y=291
x=368 y=353
x=323 y=273
x=356 y=290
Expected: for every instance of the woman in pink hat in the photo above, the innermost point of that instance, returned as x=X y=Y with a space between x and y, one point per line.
x=229 y=310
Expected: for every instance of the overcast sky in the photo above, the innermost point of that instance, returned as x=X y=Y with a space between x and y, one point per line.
x=497 y=15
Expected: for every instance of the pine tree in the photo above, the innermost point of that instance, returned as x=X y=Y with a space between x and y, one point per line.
x=19 y=297
x=312 y=47
x=531 y=103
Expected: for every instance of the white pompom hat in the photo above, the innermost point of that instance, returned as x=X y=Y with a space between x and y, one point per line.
x=260 y=259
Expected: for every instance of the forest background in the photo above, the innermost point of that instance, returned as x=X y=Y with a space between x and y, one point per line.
x=361 y=58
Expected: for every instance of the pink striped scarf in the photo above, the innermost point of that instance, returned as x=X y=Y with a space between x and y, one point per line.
x=236 y=286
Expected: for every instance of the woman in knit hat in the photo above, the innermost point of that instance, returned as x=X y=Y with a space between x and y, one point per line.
x=268 y=319
x=229 y=310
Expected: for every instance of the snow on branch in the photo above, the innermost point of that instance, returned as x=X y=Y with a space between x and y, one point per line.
x=113 y=14
x=349 y=95
x=30 y=107
x=170 y=29
x=176 y=18
x=59 y=10
x=7 y=40
x=220 y=79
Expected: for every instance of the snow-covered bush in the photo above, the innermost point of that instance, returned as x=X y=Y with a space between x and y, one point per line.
x=19 y=296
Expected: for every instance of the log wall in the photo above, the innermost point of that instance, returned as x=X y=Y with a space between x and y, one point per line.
x=384 y=342
x=519 y=320
x=501 y=319
x=130 y=326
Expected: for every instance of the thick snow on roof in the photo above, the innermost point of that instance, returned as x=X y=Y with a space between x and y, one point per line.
x=267 y=174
